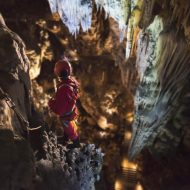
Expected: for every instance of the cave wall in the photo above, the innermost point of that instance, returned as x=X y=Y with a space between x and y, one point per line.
x=15 y=79
x=163 y=65
x=17 y=164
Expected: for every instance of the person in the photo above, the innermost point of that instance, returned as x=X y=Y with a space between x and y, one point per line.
x=64 y=101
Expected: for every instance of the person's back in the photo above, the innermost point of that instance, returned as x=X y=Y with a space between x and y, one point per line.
x=64 y=101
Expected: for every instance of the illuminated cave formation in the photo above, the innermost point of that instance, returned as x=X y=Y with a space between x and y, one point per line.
x=162 y=59
x=131 y=58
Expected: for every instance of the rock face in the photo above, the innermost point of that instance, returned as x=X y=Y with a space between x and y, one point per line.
x=16 y=159
x=55 y=167
x=15 y=81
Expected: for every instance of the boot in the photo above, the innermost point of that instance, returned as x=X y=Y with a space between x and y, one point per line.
x=75 y=144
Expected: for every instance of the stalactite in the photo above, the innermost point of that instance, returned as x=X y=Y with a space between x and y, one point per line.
x=133 y=29
x=73 y=13
x=117 y=9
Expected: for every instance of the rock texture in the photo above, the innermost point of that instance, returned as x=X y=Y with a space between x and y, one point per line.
x=17 y=164
x=15 y=81
x=163 y=62
x=66 y=169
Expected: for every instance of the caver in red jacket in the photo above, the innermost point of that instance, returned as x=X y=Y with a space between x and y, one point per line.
x=64 y=104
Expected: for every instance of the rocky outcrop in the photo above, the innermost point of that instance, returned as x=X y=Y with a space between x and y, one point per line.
x=66 y=169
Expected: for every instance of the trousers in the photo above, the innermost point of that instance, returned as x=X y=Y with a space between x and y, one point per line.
x=70 y=129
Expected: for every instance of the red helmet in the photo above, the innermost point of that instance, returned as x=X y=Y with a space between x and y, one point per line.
x=63 y=65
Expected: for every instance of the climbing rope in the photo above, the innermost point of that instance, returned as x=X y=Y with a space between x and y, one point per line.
x=24 y=122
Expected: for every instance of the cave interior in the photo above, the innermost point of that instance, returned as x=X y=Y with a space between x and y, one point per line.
x=132 y=61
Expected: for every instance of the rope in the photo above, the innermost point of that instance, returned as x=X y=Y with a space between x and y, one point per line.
x=34 y=128
x=25 y=123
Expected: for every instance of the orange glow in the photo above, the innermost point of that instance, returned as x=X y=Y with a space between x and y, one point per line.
x=64 y=41
x=129 y=114
x=128 y=135
x=130 y=165
x=130 y=117
x=138 y=187
x=102 y=122
x=56 y=16
x=118 y=185
x=56 y=29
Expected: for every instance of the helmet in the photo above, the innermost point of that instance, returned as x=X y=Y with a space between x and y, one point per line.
x=63 y=65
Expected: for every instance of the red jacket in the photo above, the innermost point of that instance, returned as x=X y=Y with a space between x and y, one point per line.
x=64 y=102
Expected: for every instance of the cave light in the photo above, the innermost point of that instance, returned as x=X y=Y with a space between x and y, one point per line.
x=56 y=29
x=64 y=41
x=75 y=59
x=102 y=122
x=129 y=165
x=56 y=16
x=128 y=136
x=111 y=111
x=130 y=117
x=36 y=59
x=138 y=186
x=118 y=185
